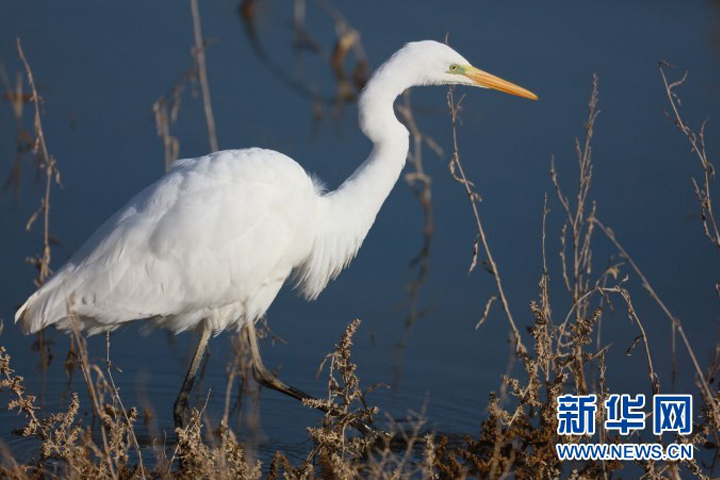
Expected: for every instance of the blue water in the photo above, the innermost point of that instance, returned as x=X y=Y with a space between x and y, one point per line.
x=99 y=69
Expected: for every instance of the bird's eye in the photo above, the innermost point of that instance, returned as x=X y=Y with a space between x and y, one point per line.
x=454 y=67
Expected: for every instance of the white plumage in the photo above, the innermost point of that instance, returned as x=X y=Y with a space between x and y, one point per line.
x=217 y=236
x=214 y=238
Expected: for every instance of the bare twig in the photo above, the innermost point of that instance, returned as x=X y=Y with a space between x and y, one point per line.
x=420 y=184
x=47 y=164
x=654 y=381
x=578 y=223
x=199 y=56
x=85 y=368
x=166 y=110
x=116 y=396
x=349 y=80
x=697 y=142
x=458 y=173
x=706 y=391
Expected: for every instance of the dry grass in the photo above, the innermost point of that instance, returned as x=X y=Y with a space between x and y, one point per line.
x=458 y=173
x=166 y=109
x=33 y=142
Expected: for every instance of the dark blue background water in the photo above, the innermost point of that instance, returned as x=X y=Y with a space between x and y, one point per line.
x=101 y=66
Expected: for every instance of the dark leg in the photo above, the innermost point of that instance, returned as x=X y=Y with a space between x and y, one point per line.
x=107 y=350
x=180 y=410
x=267 y=379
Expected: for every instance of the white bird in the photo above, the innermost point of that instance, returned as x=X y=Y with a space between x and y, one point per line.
x=209 y=245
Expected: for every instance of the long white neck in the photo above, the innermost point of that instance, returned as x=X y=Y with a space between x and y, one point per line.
x=363 y=193
x=348 y=212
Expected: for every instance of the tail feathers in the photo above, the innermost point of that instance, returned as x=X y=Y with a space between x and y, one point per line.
x=27 y=317
x=46 y=306
x=33 y=316
x=21 y=316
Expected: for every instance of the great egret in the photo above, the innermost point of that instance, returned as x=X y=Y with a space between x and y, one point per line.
x=209 y=245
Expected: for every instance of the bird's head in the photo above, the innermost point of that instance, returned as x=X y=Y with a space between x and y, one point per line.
x=434 y=63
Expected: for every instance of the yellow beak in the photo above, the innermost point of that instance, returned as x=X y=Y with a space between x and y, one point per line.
x=484 y=79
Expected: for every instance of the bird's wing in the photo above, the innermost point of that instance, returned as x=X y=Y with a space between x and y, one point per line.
x=204 y=236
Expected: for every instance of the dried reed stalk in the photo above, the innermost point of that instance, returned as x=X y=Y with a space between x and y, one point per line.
x=458 y=173
x=199 y=56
